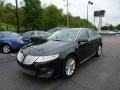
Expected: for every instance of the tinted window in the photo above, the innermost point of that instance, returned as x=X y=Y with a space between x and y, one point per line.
x=29 y=34
x=83 y=34
x=40 y=33
x=92 y=33
x=26 y=34
x=33 y=33
x=14 y=34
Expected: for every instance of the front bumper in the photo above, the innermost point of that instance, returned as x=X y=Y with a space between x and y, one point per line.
x=47 y=69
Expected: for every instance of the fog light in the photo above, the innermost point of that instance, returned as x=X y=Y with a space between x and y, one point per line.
x=48 y=73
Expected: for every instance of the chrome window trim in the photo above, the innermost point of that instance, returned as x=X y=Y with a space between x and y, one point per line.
x=78 y=35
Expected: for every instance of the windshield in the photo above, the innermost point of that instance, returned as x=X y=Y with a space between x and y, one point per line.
x=64 y=35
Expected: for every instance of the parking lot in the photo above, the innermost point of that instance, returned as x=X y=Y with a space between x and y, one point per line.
x=101 y=73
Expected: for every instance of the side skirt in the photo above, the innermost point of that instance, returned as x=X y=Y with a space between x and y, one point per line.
x=87 y=58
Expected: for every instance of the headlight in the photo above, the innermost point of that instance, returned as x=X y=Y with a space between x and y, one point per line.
x=47 y=58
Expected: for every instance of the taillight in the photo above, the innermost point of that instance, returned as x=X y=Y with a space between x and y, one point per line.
x=20 y=39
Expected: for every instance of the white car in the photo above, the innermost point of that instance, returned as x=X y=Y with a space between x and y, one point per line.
x=107 y=32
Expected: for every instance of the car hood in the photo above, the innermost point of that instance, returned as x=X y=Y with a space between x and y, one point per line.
x=46 y=48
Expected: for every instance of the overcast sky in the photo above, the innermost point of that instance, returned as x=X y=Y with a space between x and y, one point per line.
x=78 y=8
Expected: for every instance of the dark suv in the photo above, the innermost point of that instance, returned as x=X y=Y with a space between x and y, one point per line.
x=61 y=53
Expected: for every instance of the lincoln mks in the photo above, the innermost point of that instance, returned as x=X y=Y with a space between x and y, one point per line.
x=61 y=53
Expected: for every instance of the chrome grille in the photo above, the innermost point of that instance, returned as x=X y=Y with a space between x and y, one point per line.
x=30 y=59
x=20 y=56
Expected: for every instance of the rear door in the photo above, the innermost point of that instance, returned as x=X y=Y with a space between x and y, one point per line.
x=93 y=41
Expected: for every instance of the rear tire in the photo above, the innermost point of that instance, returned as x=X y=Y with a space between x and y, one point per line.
x=99 y=51
x=69 y=67
x=6 y=48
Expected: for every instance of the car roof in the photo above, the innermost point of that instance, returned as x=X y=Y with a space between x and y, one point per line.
x=35 y=31
x=6 y=32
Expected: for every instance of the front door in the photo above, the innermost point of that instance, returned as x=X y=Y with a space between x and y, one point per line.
x=84 y=48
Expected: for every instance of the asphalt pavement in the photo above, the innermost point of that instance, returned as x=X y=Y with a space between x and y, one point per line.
x=98 y=73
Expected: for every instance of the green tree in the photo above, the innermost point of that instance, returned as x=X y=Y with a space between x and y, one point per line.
x=52 y=17
x=1 y=7
x=33 y=14
x=117 y=27
x=9 y=14
x=111 y=27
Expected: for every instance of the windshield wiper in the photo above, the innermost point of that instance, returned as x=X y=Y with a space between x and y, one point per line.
x=57 y=40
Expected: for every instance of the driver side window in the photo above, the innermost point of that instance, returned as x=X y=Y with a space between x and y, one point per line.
x=83 y=35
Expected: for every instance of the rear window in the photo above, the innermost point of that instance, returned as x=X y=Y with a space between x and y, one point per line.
x=40 y=34
x=1 y=35
x=33 y=33
x=14 y=34
x=26 y=34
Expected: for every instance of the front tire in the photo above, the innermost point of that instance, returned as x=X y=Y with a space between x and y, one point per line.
x=6 y=49
x=69 y=67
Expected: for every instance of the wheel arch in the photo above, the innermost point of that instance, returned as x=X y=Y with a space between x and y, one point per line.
x=6 y=44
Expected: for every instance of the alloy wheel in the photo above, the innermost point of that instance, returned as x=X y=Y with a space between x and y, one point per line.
x=70 y=66
x=99 y=50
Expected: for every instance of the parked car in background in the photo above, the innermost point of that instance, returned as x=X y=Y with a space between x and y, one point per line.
x=118 y=32
x=61 y=53
x=11 y=41
x=107 y=32
x=56 y=29
x=36 y=35
x=111 y=33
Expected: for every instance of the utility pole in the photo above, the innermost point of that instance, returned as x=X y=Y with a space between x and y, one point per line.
x=17 y=17
x=89 y=3
x=67 y=12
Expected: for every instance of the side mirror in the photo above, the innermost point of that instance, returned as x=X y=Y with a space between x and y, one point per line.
x=83 y=40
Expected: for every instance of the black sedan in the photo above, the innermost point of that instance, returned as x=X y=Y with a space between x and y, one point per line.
x=61 y=53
